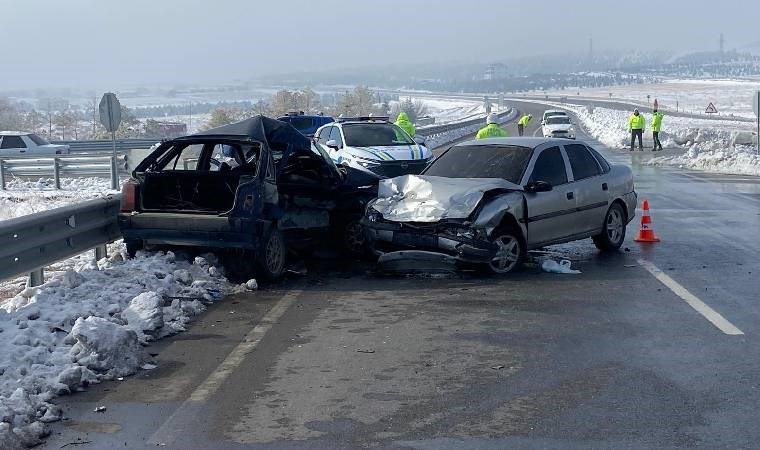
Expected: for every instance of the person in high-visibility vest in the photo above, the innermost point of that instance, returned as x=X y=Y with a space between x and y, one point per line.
x=492 y=128
x=522 y=123
x=656 y=128
x=636 y=125
x=403 y=121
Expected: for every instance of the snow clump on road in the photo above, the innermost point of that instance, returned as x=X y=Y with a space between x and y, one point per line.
x=90 y=324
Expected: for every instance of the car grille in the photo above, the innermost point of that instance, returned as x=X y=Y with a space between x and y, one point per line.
x=556 y=132
x=390 y=169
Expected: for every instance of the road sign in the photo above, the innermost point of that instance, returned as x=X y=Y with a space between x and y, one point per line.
x=711 y=109
x=756 y=103
x=110 y=112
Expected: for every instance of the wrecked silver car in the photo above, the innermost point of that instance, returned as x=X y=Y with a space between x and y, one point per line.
x=488 y=202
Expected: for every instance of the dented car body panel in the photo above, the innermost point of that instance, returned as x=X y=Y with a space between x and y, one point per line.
x=580 y=193
x=227 y=187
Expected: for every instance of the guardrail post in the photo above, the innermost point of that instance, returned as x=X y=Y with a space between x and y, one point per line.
x=101 y=251
x=114 y=173
x=36 y=277
x=57 y=172
x=2 y=174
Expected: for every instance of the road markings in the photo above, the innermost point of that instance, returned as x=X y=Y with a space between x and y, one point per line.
x=186 y=413
x=701 y=307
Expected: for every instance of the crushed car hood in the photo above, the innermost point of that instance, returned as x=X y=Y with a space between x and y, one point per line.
x=420 y=198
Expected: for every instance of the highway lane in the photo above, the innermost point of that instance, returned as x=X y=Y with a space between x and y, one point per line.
x=609 y=358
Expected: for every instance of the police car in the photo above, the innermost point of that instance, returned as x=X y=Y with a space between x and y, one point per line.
x=374 y=144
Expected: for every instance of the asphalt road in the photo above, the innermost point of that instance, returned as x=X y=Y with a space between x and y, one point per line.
x=638 y=351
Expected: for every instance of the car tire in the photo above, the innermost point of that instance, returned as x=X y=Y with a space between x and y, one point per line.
x=512 y=251
x=133 y=246
x=272 y=256
x=613 y=230
x=355 y=239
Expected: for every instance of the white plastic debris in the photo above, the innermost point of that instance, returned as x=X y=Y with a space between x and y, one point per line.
x=551 y=266
x=99 y=409
x=252 y=284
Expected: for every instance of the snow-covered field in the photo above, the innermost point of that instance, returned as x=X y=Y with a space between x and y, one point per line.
x=23 y=197
x=712 y=146
x=89 y=324
x=729 y=96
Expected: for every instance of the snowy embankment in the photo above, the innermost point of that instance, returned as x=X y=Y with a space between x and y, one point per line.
x=90 y=324
x=711 y=146
x=448 y=137
x=21 y=197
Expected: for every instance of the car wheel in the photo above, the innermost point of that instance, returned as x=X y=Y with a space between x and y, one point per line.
x=133 y=246
x=272 y=256
x=355 y=240
x=613 y=231
x=511 y=251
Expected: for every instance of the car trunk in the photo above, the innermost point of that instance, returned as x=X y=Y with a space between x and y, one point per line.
x=189 y=191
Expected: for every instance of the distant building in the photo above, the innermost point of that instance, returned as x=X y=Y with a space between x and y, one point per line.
x=497 y=71
x=163 y=129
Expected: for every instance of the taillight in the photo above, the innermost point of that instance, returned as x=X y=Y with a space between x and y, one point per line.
x=129 y=196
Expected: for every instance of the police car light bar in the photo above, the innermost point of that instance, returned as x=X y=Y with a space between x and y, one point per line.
x=364 y=119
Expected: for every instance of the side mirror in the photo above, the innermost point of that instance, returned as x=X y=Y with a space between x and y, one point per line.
x=332 y=143
x=538 y=186
x=419 y=139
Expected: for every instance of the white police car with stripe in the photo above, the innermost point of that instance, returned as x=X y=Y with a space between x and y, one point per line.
x=374 y=144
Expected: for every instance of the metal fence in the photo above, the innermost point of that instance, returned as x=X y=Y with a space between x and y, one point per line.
x=434 y=130
x=74 y=166
x=29 y=243
x=122 y=145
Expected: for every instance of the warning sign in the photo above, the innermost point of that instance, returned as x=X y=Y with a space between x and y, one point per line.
x=711 y=109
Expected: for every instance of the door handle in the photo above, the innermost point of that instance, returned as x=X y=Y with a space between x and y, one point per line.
x=604 y=186
x=570 y=195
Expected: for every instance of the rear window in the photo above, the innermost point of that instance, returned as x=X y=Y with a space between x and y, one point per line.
x=38 y=139
x=602 y=162
x=482 y=161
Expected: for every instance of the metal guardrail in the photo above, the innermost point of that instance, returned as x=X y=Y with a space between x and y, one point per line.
x=82 y=166
x=29 y=243
x=122 y=145
x=433 y=130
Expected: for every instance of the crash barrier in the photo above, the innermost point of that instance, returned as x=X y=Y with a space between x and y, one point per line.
x=105 y=145
x=434 y=130
x=90 y=166
x=30 y=243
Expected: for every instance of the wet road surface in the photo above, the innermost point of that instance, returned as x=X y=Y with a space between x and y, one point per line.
x=343 y=358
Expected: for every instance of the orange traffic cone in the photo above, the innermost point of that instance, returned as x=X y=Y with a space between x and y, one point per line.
x=646 y=233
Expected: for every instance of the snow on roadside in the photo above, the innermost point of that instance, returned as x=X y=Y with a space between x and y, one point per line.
x=448 y=137
x=23 y=197
x=90 y=324
x=710 y=146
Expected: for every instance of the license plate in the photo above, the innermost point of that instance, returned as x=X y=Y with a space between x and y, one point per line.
x=415 y=240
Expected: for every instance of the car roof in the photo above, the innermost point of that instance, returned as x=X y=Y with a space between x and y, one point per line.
x=14 y=133
x=530 y=142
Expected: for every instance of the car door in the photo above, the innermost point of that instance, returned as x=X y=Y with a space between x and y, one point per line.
x=550 y=214
x=591 y=188
x=12 y=146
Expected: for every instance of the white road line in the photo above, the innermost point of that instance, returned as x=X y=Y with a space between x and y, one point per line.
x=186 y=412
x=701 y=307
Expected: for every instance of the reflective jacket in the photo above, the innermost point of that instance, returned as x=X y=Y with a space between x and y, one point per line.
x=657 y=121
x=403 y=121
x=490 y=131
x=524 y=120
x=636 y=122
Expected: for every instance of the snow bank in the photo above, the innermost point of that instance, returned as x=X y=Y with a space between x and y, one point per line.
x=27 y=197
x=719 y=147
x=90 y=324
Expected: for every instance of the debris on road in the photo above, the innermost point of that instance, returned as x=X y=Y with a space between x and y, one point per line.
x=499 y=367
x=363 y=350
x=99 y=409
x=551 y=266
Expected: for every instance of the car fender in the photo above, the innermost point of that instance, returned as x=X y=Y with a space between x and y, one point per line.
x=497 y=209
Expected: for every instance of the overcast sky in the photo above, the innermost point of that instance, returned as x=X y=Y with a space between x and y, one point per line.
x=100 y=43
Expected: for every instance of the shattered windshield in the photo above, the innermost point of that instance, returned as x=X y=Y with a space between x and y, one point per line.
x=482 y=161
x=375 y=135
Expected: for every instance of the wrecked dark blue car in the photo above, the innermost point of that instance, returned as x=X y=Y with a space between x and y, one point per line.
x=257 y=189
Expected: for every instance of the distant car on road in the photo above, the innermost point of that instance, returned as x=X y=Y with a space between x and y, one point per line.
x=257 y=189
x=552 y=113
x=306 y=124
x=488 y=202
x=558 y=126
x=19 y=143
x=374 y=144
